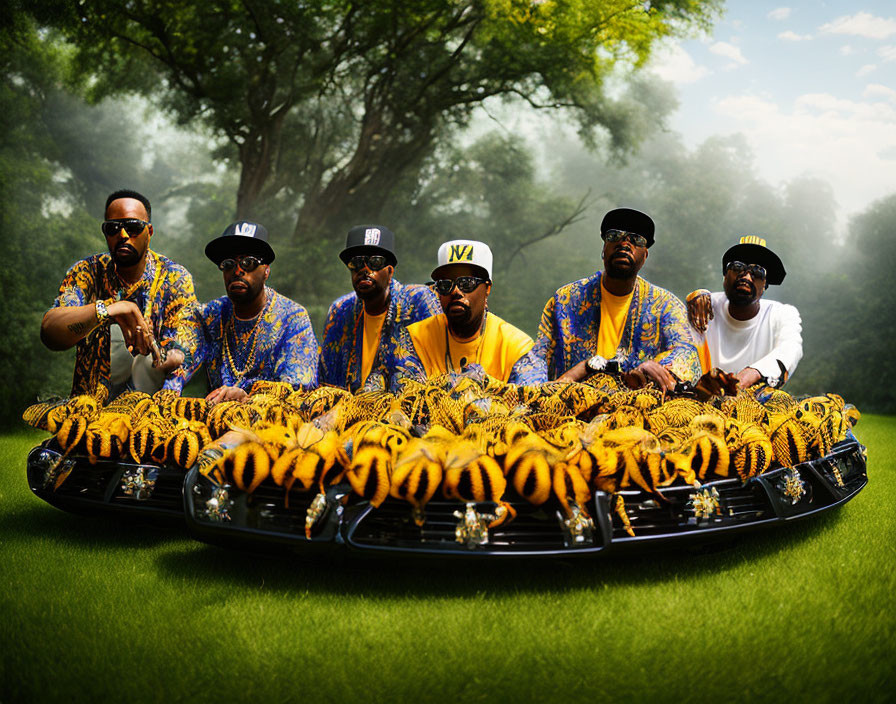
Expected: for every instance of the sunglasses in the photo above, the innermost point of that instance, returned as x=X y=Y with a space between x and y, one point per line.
x=756 y=271
x=133 y=226
x=620 y=235
x=247 y=264
x=374 y=262
x=465 y=284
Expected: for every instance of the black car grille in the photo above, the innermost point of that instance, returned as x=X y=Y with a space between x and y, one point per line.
x=652 y=517
x=391 y=525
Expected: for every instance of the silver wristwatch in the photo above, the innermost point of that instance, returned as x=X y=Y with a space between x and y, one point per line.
x=102 y=314
x=596 y=363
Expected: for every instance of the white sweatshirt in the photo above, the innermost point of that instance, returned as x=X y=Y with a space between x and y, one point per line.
x=774 y=334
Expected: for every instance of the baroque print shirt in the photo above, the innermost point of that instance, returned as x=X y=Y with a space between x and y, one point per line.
x=163 y=294
x=277 y=345
x=341 y=351
x=656 y=328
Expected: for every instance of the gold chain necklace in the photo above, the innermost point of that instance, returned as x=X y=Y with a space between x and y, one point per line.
x=231 y=326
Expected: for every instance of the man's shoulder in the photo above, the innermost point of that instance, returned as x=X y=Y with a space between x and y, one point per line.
x=171 y=266
x=510 y=333
x=579 y=286
x=212 y=309
x=428 y=326
x=413 y=291
x=345 y=302
x=658 y=293
x=778 y=308
x=656 y=290
x=100 y=259
x=287 y=306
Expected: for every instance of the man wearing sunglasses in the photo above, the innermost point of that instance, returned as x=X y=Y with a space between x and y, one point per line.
x=743 y=338
x=253 y=333
x=466 y=337
x=121 y=308
x=616 y=317
x=362 y=329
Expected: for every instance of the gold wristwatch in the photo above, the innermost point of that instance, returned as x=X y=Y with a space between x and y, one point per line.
x=102 y=314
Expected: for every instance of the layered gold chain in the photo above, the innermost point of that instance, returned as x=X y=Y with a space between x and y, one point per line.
x=253 y=336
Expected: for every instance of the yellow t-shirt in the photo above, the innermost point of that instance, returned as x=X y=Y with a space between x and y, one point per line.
x=497 y=349
x=613 y=312
x=373 y=328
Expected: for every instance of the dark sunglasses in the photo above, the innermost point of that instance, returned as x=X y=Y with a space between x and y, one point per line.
x=465 y=284
x=133 y=226
x=620 y=235
x=374 y=262
x=756 y=271
x=247 y=264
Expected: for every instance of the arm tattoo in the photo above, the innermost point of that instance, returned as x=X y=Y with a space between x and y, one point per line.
x=78 y=328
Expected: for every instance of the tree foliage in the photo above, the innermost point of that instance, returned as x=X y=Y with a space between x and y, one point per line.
x=332 y=102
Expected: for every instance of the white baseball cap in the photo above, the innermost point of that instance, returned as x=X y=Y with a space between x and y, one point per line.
x=465 y=252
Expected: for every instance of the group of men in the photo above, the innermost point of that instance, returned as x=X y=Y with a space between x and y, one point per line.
x=134 y=317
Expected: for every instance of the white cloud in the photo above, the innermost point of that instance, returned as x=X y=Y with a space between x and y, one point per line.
x=672 y=63
x=861 y=24
x=887 y=53
x=878 y=90
x=729 y=51
x=779 y=13
x=793 y=36
x=845 y=142
x=865 y=70
x=846 y=50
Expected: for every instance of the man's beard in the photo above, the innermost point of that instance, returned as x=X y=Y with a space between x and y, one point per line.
x=617 y=272
x=244 y=296
x=741 y=297
x=125 y=255
x=372 y=293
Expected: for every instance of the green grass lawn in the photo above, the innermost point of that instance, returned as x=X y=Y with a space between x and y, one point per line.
x=92 y=609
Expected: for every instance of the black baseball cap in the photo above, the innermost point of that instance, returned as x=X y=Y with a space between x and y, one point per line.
x=752 y=250
x=369 y=239
x=630 y=220
x=241 y=237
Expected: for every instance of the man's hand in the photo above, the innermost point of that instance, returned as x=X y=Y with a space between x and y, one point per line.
x=650 y=371
x=700 y=311
x=226 y=393
x=716 y=383
x=580 y=372
x=169 y=361
x=135 y=330
x=748 y=376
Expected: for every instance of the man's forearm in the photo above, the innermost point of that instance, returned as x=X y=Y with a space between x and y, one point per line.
x=64 y=327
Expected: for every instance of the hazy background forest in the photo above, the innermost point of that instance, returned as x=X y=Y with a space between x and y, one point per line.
x=311 y=117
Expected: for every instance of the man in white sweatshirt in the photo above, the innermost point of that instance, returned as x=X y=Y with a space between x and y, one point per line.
x=743 y=339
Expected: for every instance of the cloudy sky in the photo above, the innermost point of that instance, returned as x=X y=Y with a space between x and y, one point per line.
x=812 y=85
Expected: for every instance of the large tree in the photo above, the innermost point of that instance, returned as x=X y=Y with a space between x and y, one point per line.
x=327 y=104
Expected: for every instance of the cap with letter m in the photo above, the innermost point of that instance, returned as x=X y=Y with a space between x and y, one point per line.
x=470 y=252
x=241 y=237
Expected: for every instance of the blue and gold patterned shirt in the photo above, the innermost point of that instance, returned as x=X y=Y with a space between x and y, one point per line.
x=276 y=345
x=656 y=328
x=164 y=294
x=341 y=351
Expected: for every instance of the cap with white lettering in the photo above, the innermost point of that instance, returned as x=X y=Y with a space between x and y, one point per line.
x=241 y=237
x=369 y=239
